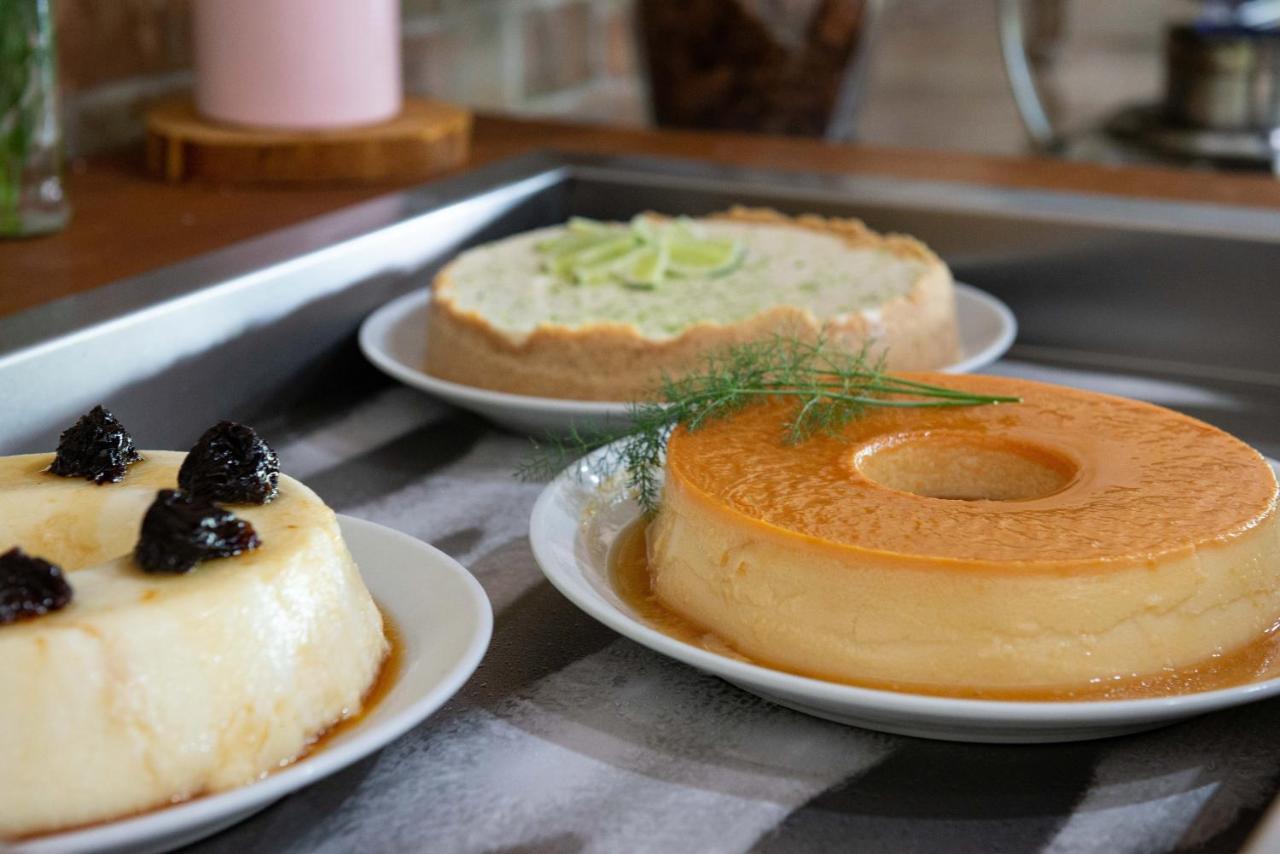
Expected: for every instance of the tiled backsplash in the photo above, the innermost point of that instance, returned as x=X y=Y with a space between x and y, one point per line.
x=567 y=56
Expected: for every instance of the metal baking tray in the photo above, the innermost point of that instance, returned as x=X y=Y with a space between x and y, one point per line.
x=1165 y=301
x=1185 y=292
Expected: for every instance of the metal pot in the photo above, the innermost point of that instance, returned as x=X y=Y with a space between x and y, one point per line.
x=1222 y=79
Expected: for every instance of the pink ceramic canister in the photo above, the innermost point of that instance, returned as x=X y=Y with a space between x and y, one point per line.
x=298 y=63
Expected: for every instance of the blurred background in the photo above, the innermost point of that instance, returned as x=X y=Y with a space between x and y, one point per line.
x=933 y=75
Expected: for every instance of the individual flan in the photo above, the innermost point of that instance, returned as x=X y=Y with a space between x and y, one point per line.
x=1016 y=550
x=152 y=688
x=501 y=317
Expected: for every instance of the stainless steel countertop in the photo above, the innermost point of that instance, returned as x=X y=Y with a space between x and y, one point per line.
x=569 y=737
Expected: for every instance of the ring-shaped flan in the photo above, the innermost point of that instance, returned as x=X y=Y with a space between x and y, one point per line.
x=152 y=688
x=1011 y=550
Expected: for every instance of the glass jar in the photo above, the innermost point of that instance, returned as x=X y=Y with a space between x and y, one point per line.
x=31 y=197
x=772 y=66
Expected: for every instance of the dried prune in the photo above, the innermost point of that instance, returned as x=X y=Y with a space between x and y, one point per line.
x=96 y=447
x=179 y=530
x=30 y=586
x=233 y=464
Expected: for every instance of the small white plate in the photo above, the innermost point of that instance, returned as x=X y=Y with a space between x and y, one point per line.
x=394 y=338
x=444 y=620
x=576 y=520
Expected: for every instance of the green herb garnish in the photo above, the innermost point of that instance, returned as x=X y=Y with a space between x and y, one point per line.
x=21 y=53
x=830 y=388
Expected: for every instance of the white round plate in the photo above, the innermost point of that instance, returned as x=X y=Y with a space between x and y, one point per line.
x=394 y=338
x=444 y=622
x=576 y=520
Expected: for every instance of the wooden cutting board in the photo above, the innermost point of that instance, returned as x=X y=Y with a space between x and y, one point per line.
x=426 y=138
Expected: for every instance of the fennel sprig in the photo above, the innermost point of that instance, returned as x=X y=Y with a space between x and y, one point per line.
x=829 y=387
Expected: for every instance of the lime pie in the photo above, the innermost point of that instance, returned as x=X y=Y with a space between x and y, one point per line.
x=601 y=311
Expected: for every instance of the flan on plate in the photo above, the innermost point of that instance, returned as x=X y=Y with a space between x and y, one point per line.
x=503 y=317
x=1020 y=550
x=152 y=688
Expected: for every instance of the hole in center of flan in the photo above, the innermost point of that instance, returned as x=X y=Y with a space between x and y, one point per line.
x=964 y=467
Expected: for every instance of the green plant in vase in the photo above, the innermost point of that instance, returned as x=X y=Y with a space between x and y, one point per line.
x=31 y=199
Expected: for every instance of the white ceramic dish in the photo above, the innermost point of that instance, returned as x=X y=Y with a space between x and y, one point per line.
x=444 y=620
x=394 y=339
x=576 y=520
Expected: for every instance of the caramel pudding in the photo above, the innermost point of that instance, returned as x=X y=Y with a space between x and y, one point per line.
x=1032 y=549
x=499 y=319
x=148 y=689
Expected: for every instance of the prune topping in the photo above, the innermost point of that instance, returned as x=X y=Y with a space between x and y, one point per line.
x=233 y=464
x=29 y=587
x=97 y=448
x=179 y=530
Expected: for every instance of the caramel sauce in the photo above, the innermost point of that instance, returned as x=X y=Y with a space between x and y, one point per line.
x=386 y=679
x=1259 y=661
x=388 y=676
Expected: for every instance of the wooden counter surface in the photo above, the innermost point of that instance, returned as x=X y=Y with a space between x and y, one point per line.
x=125 y=223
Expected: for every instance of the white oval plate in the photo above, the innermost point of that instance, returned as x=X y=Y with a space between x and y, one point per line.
x=394 y=338
x=444 y=620
x=578 y=516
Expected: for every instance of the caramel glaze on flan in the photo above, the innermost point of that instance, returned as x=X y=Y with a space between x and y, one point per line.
x=1028 y=549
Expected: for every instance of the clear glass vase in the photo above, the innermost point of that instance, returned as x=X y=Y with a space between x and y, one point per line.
x=772 y=66
x=31 y=197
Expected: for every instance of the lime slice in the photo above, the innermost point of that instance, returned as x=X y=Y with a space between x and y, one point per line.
x=559 y=260
x=703 y=257
x=644 y=267
x=644 y=227
x=598 y=275
x=579 y=232
x=591 y=250
x=641 y=254
x=569 y=242
x=582 y=225
x=683 y=228
x=605 y=251
x=593 y=264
